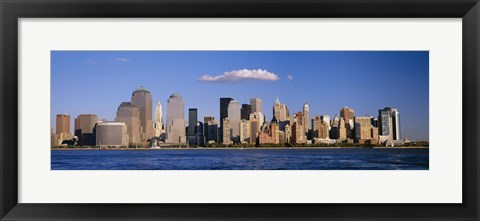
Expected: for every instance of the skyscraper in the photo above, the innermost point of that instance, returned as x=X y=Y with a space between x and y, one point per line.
x=280 y=111
x=192 y=124
x=389 y=123
x=84 y=129
x=244 y=131
x=342 y=130
x=192 y=121
x=385 y=125
x=396 y=124
x=347 y=114
x=256 y=104
x=306 y=117
x=142 y=98
x=63 y=127
x=276 y=108
x=211 y=130
x=158 y=120
x=224 y=101
x=129 y=114
x=226 y=131
x=245 y=111
x=234 y=117
x=283 y=113
x=175 y=119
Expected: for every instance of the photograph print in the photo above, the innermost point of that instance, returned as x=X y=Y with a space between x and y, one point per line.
x=239 y=110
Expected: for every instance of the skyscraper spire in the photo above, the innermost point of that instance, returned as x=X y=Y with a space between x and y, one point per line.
x=158 y=120
x=277 y=101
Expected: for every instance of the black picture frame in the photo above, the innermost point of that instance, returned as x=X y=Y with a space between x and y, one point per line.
x=12 y=10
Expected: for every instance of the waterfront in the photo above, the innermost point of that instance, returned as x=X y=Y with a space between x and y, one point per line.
x=246 y=159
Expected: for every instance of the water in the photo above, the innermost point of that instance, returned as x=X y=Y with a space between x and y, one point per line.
x=259 y=159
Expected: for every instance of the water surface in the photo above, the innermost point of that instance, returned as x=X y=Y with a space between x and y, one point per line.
x=247 y=159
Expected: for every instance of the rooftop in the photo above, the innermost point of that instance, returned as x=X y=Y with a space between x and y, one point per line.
x=176 y=95
x=142 y=89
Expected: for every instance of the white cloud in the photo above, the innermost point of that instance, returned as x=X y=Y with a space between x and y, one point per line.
x=121 y=59
x=290 y=77
x=239 y=75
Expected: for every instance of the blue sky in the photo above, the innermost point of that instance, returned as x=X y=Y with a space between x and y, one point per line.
x=98 y=81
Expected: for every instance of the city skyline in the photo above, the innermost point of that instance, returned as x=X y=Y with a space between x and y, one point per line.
x=362 y=88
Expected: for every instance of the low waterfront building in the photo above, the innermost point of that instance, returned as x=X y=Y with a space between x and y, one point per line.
x=111 y=134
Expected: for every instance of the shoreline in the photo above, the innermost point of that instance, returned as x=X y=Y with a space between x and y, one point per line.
x=245 y=148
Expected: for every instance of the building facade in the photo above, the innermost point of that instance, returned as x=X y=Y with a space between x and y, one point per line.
x=306 y=117
x=129 y=114
x=234 y=117
x=245 y=111
x=224 y=101
x=85 y=129
x=175 y=119
x=142 y=99
x=226 y=132
x=158 y=126
x=111 y=134
x=256 y=104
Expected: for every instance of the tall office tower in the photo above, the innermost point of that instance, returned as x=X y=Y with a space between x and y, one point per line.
x=245 y=111
x=142 y=98
x=224 y=101
x=291 y=118
x=315 y=120
x=276 y=108
x=363 y=129
x=205 y=126
x=63 y=127
x=325 y=119
x=234 y=117
x=254 y=126
x=192 y=121
x=244 y=131
x=298 y=136
x=175 y=119
x=226 y=131
x=288 y=132
x=306 y=117
x=322 y=130
x=334 y=127
x=111 y=134
x=129 y=114
x=347 y=114
x=299 y=118
x=374 y=121
x=389 y=123
x=283 y=113
x=385 y=124
x=84 y=129
x=396 y=124
x=192 y=124
x=211 y=130
x=53 y=138
x=258 y=116
x=342 y=130
x=158 y=120
x=256 y=104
